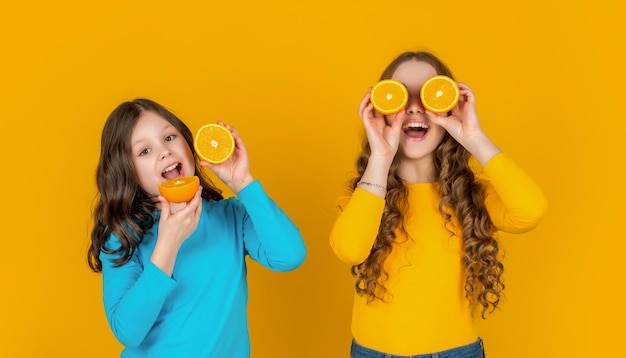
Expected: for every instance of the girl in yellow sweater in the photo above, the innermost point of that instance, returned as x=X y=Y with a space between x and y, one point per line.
x=419 y=223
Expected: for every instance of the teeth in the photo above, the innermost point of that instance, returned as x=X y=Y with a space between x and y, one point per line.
x=415 y=125
x=170 y=168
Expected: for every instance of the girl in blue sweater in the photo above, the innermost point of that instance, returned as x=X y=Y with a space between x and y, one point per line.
x=174 y=274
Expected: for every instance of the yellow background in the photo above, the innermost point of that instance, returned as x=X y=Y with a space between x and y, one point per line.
x=549 y=80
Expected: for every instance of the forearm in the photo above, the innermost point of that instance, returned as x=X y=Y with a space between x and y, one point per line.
x=356 y=228
x=133 y=303
x=273 y=239
x=481 y=147
x=515 y=202
x=374 y=178
x=164 y=255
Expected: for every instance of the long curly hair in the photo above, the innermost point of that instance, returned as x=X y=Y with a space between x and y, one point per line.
x=462 y=198
x=122 y=207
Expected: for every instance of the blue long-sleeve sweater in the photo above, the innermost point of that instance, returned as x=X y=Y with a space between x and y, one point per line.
x=200 y=311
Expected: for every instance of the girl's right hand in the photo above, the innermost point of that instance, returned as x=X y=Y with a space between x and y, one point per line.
x=383 y=138
x=174 y=229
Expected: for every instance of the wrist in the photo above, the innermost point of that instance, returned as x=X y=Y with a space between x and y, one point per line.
x=380 y=162
x=164 y=256
x=481 y=147
x=238 y=185
x=374 y=188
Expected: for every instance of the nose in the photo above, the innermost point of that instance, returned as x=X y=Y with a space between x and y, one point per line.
x=165 y=153
x=414 y=105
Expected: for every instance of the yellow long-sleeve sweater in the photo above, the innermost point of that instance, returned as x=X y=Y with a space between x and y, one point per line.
x=425 y=309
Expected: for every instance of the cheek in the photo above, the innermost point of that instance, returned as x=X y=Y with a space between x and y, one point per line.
x=145 y=176
x=191 y=163
x=390 y=118
x=438 y=132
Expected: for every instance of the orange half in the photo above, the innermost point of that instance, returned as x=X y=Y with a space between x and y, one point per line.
x=214 y=143
x=180 y=190
x=389 y=96
x=439 y=94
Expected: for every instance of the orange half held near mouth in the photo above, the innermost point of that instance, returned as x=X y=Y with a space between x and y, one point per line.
x=180 y=190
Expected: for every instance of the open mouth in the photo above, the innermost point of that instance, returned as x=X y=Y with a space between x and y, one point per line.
x=415 y=129
x=172 y=172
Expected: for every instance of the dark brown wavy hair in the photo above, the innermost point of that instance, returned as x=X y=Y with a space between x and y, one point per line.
x=122 y=207
x=461 y=198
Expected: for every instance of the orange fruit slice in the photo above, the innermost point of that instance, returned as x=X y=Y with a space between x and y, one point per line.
x=389 y=96
x=439 y=94
x=214 y=143
x=179 y=190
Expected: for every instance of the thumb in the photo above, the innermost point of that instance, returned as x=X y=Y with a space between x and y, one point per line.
x=396 y=122
x=165 y=207
x=437 y=119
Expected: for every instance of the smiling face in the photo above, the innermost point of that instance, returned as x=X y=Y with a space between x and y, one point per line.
x=159 y=152
x=420 y=136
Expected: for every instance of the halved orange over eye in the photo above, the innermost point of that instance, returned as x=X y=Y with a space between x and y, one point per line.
x=439 y=94
x=389 y=96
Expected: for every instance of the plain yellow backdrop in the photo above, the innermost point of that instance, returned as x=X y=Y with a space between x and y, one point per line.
x=549 y=79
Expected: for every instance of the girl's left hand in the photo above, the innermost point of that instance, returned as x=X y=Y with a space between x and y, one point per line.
x=235 y=171
x=462 y=124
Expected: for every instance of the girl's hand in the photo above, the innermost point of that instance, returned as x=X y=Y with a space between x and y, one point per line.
x=463 y=125
x=235 y=171
x=383 y=138
x=174 y=229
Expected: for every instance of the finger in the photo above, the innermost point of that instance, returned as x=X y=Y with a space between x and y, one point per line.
x=397 y=120
x=191 y=205
x=437 y=119
x=238 y=140
x=197 y=198
x=465 y=93
x=232 y=129
x=365 y=103
x=368 y=112
x=165 y=207
x=229 y=127
x=199 y=206
x=456 y=111
x=468 y=95
x=463 y=86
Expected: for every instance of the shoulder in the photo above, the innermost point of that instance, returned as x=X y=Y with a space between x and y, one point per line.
x=113 y=243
